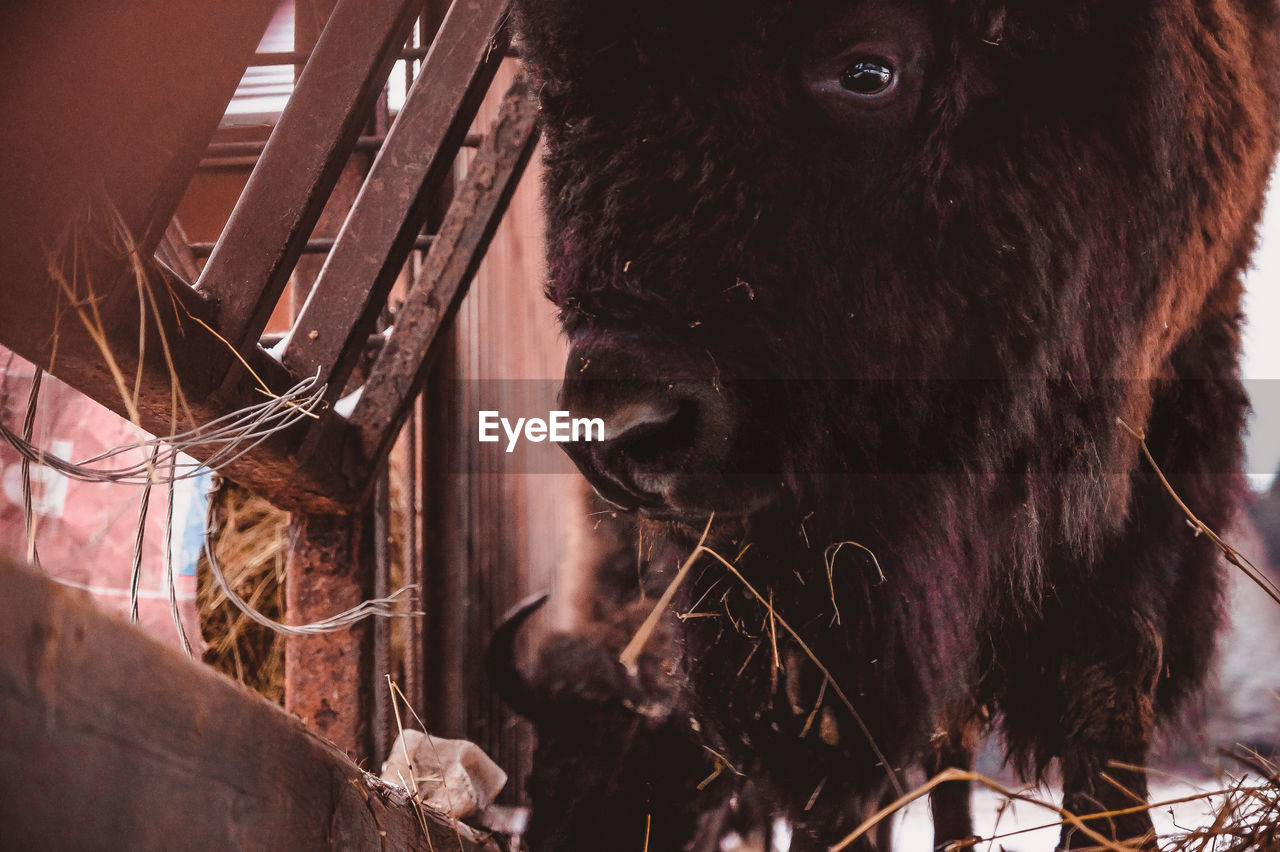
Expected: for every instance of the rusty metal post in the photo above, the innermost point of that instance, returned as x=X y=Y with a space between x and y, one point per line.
x=328 y=679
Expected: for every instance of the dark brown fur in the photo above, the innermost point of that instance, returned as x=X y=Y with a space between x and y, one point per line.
x=923 y=324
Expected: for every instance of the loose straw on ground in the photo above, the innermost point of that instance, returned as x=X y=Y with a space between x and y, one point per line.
x=949 y=775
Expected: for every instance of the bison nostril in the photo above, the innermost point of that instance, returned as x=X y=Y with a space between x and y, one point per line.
x=670 y=425
x=656 y=440
x=646 y=443
x=631 y=422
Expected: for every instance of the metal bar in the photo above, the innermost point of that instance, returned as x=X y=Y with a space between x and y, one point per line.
x=175 y=252
x=413 y=647
x=300 y=57
x=393 y=204
x=253 y=148
x=269 y=226
x=316 y=245
x=309 y=17
x=456 y=253
x=328 y=677
x=383 y=723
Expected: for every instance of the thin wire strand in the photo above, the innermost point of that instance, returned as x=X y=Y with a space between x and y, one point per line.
x=332 y=624
x=170 y=579
x=28 y=509
x=135 y=575
x=233 y=435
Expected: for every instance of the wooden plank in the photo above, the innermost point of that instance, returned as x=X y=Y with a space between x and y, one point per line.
x=454 y=257
x=98 y=149
x=248 y=270
x=109 y=740
x=393 y=204
x=93 y=138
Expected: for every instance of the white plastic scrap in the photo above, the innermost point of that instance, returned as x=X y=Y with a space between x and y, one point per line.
x=454 y=777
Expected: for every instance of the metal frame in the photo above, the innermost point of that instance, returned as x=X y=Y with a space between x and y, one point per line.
x=119 y=187
x=212 y=326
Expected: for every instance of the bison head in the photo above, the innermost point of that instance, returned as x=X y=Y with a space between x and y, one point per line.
x=797 y=242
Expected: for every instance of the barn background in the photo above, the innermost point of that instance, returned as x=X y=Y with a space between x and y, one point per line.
x=1261 y=361
x=472 y=528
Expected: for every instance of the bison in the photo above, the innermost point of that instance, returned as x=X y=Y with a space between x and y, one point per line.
x=870 y=290
x=618 y=754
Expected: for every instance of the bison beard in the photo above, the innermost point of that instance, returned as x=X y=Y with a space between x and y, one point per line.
x=889 y=273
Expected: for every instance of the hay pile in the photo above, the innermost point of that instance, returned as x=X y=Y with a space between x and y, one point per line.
x=1246 y=816
x=249 y=540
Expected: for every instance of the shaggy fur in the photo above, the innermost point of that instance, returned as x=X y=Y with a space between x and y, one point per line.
x=929 y=317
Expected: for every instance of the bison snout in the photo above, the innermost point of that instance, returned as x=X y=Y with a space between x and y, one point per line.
x=664 y=445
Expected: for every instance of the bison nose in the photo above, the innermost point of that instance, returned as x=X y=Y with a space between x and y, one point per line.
x=662 y=443
x=652 y=445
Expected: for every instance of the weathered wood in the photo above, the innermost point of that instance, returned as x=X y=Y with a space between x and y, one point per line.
x=453 y=259
x=94 y=138
x=393 y=204
x=108 y=740
x=171 y=309
x=247 y=273
x=97 y=149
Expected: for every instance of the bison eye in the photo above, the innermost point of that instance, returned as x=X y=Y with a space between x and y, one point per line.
x=868 y=78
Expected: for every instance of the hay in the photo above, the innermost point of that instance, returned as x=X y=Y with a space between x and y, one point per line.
x=1246 y=815
x=249 y=538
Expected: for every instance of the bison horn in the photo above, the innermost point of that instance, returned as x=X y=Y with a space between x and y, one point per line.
x=500 y=659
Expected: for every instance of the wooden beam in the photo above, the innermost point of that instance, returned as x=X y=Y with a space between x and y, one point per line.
x=97 y=150
x=110 y=740
x=455 y=254
x=93 y=137
x=393 y=204
x=248 y=270
x=129 y=321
